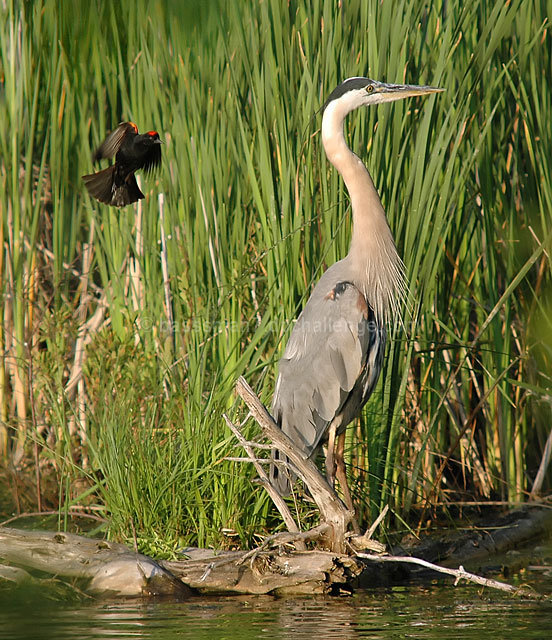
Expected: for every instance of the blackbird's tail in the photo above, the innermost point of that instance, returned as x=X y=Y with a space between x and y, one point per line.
x=103 y=186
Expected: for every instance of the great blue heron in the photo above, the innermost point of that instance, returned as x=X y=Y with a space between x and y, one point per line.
x=334 y=355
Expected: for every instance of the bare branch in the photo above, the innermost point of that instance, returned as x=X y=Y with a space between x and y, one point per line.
x=459 y=574
x=365 y=542
x=238 y=459
x=332 y=510
x=377 y=521
x=276 y=497
x=541 y=474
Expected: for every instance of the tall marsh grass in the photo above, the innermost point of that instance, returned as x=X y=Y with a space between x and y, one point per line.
x=122 y=332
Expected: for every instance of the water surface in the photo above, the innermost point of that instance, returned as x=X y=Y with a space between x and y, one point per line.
x=431 y=610
x=435 y=611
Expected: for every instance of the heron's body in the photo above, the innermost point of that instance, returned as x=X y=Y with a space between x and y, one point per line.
x=331 y=362
x=334 y=355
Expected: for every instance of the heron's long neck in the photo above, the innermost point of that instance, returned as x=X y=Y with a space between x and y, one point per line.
x=372 y=255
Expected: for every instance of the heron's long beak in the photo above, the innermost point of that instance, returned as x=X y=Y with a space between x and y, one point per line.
x=389 y=92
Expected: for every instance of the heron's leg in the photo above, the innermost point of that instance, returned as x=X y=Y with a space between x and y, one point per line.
x=341 y=475
x=330 y=455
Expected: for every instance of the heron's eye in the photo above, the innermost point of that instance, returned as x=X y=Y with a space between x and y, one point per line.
x=369 y=88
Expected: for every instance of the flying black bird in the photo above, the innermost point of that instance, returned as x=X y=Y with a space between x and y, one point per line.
x=117 y=184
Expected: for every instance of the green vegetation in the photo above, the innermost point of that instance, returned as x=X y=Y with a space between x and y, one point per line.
x=123 y=331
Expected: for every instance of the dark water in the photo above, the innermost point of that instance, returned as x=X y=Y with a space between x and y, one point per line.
x=434 y=611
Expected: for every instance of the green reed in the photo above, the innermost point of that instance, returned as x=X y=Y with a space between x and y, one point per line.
x=116 y=373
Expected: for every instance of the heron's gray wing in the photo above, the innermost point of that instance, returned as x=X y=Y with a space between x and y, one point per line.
x=112 y=143
x=322 y=365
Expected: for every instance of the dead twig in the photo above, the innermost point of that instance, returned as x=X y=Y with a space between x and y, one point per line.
x=359 y=543
x=286 y=537
x=276 y=497
x=541 y=474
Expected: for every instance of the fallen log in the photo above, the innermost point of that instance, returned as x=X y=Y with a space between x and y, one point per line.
x=267 y=572
x=105 y=567
x=111 y=569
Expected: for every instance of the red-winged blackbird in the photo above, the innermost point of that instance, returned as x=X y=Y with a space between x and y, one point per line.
x=117 y=185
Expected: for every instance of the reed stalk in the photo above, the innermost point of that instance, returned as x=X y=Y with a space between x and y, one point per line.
x=137 y=332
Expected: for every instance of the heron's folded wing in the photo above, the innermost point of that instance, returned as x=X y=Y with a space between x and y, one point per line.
x=325 y=357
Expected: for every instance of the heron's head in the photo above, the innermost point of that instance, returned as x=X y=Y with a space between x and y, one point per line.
x=362 y=92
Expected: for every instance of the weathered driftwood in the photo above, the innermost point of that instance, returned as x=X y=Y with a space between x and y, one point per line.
x=266 y=572
x=105 y=567
x=108 y=568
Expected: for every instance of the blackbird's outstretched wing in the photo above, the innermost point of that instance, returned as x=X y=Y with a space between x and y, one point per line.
x=114 y=140
x=153 y=158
